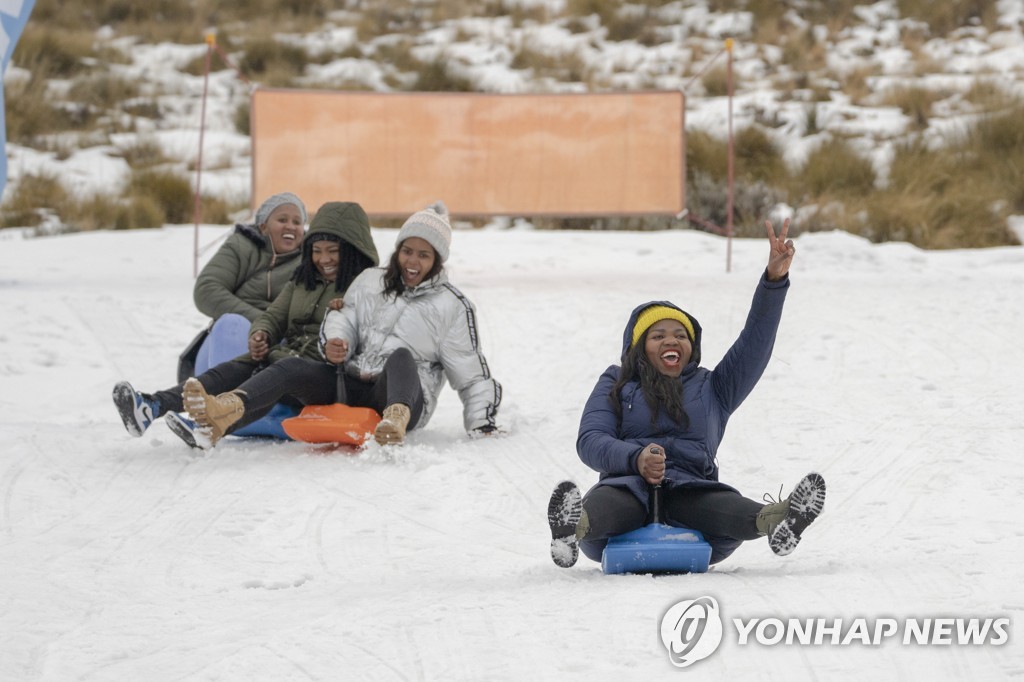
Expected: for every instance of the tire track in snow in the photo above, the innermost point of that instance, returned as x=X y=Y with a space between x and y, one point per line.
x=9 y=482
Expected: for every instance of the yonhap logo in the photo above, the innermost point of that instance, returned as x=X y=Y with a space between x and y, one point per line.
x=691 y=630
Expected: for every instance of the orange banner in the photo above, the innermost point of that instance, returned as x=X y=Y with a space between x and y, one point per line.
x=530 y=155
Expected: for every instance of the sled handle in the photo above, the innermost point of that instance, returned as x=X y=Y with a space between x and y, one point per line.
x=656 y=491
x=340 y=396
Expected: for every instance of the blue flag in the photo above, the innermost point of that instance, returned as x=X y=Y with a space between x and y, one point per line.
x=13 y=15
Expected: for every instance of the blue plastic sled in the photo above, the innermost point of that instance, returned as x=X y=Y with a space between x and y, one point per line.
x=269 y=425
x=229 y=338
x=656 y=547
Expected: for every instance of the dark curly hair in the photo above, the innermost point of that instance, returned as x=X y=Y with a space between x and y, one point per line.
x=351 y=262
x=660 y=391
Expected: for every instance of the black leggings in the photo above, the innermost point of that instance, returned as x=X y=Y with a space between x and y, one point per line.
x=304 y=381
x=311 y=382
x=718 y=514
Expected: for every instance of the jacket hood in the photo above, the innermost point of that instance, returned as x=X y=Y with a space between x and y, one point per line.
x=252 y=233
x=260 y=240
x=627 y=333
x=345 y=220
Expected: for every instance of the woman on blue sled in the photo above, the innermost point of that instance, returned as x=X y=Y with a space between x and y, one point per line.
x=659 y=419
x=338 y=247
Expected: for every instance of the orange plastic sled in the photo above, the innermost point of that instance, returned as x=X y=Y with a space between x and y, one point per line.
x=332 y=424
x=338 y=423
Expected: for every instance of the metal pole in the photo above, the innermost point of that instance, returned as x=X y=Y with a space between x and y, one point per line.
x=211 y=40
x=731 y=185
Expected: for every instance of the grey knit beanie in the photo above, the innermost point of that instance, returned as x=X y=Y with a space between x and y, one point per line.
x=430 y=224
x=268 y=206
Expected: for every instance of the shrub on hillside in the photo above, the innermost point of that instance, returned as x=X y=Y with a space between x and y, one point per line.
x=30 y=112
x=707 y=199
x=139 y=212
x=98 y=212
x=170 y=191
x=716 y=82
x=634 y=23
x=242 y=118
x=994 y=150
x=915 y=103
x=634 y=223
x=990 y=95
x=949 y=15
x=31 y=198
x=706 y=154
x=834 y=169
x=960 y=220
x=311 y=9
x=757 y=157
x=436 y=76
x=105 y=91
x=386 y=18
x=143 y=152
x=759 y=172
x=49 y=52
x=266 y=60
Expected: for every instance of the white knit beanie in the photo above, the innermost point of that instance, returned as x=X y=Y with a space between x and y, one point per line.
x=430 y=224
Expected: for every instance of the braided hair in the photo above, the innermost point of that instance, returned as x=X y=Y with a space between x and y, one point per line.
x=351 y=262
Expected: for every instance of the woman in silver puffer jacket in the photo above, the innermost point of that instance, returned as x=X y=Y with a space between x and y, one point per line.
x=403 y=329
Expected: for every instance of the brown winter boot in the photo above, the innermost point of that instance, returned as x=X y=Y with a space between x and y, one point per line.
x=215 y=414
x=391 y=429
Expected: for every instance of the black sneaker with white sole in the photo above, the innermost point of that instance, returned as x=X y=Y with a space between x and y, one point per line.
x=806 y=503
x=187 y=430
x=137 y=410
x=564 y=510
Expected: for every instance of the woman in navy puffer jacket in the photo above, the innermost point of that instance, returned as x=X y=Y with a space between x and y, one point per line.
x=659 y=418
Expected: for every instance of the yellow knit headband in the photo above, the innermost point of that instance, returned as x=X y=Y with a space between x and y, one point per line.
x=648 y=316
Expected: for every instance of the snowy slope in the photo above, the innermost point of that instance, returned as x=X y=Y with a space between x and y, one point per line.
x=897 y=374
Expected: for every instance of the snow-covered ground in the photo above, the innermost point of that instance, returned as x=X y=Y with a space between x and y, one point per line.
x=897 y=375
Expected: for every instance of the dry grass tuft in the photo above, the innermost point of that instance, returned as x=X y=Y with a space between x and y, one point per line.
x=915 y=102
x=49 y=52
x=834 y=169
x=949 y=15
x=27 y=205
x=168 y=190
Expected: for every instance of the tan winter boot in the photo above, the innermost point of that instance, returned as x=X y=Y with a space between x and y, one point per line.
x=215 y=414
x=391 y=429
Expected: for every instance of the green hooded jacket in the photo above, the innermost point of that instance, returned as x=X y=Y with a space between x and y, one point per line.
x=244 y=276
x=296 y=314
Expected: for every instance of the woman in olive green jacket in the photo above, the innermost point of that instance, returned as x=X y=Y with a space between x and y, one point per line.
x=252 y=267
x=242 y=279
x=338 y=247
